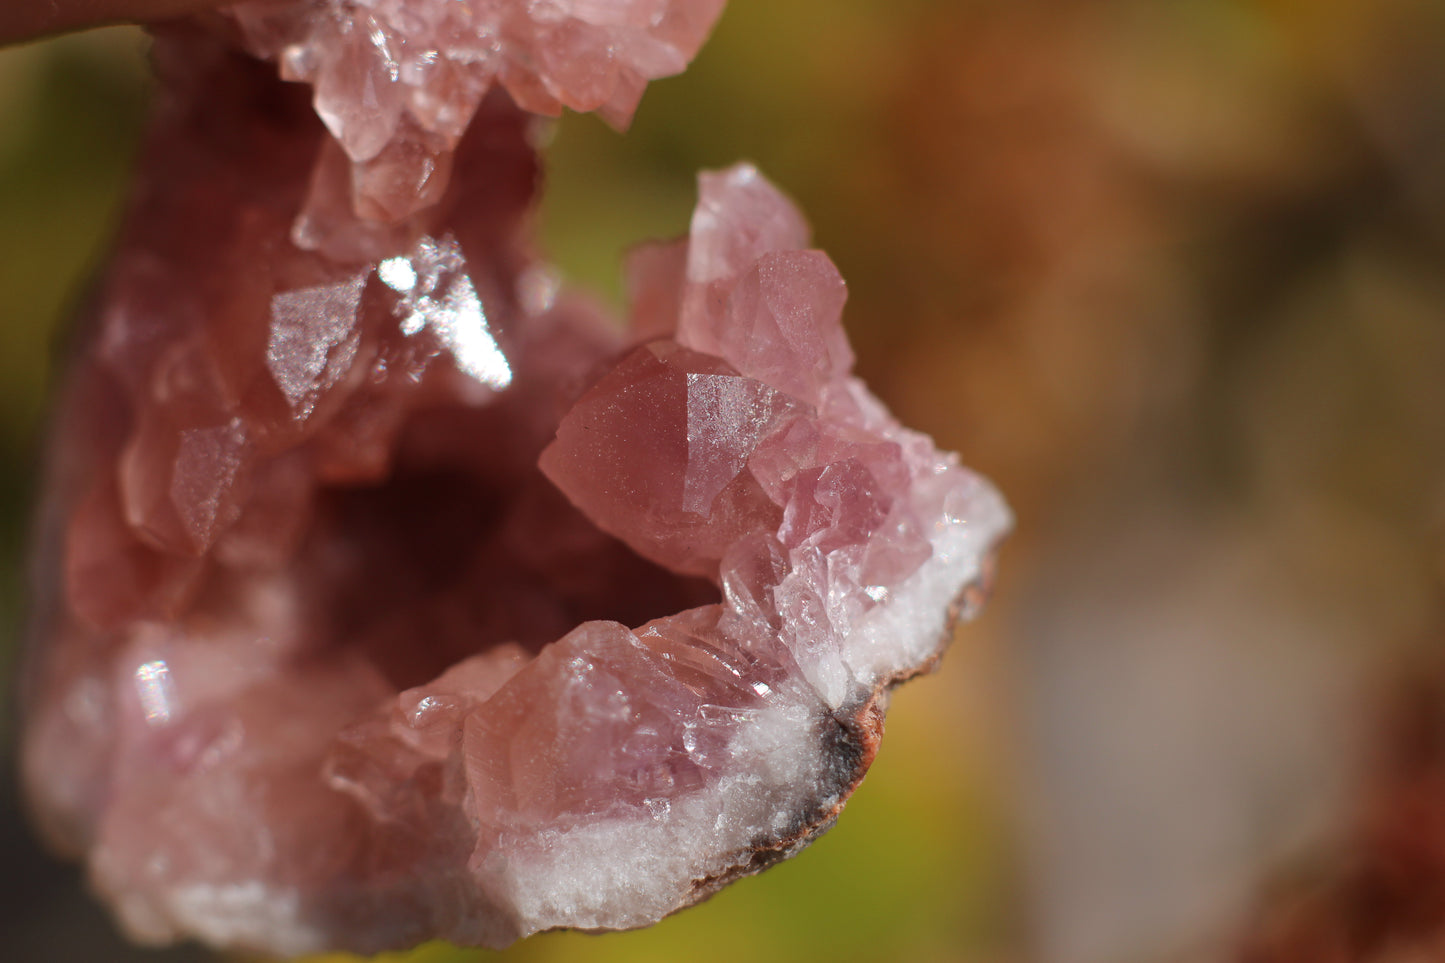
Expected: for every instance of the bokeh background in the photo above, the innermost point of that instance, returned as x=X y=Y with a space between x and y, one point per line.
x=1173 y=274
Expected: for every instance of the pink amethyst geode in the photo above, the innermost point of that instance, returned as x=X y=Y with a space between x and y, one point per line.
x=388 y=594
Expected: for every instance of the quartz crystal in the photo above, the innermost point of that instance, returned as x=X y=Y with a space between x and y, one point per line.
x=386 y=592
x=397 y=81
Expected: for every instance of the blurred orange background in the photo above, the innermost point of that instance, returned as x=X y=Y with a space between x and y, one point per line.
x=1173 y=275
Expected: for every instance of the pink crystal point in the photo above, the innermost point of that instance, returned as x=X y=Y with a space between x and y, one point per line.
x=384 y=598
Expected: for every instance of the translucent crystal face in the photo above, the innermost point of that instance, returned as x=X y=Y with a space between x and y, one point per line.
x=393 y=596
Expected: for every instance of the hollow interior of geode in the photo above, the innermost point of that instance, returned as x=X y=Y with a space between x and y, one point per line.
x=465 y=546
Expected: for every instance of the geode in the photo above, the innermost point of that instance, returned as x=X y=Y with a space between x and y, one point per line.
x=386 y=592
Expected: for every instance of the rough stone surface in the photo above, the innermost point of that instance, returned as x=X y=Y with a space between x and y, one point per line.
x=386 y=594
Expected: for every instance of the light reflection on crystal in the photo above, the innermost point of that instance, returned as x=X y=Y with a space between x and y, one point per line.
x=397 y=274
x=378 y=40
x=313 y=340
x=156 y=690
x=436 y=293
x=461 y=324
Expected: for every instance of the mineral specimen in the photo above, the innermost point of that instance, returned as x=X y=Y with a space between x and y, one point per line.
x=388 y=594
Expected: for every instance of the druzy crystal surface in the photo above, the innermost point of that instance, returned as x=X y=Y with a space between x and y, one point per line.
x=387 y=592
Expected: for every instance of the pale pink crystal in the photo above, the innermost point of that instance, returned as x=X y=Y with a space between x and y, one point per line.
x=387 y=596
x=398 y=81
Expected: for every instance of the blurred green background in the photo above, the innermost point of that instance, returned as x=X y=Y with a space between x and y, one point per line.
x=1172 y=274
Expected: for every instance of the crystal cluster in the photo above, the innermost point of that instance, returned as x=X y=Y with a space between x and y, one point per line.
x=397 y=82
x=388 y=593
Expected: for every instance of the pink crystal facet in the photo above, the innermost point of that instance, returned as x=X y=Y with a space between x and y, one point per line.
x=387 y=595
